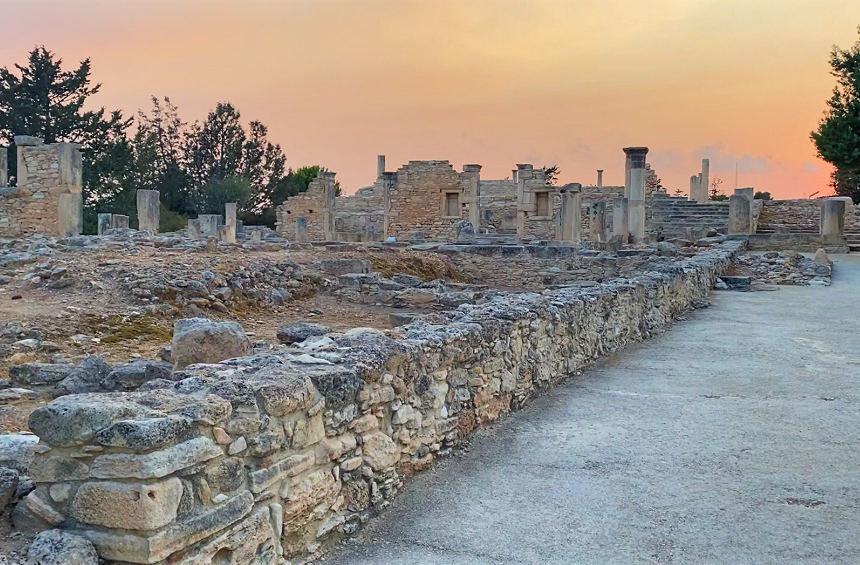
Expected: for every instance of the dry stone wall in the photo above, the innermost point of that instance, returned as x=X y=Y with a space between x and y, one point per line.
x=417 y=201
x=311 y=205
x=801 y=214
x=257 y=457
x=45 y=173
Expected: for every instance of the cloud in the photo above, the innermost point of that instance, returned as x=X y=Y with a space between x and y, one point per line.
x=721 y=160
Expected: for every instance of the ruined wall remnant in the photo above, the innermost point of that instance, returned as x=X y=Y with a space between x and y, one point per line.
x=427 y=198
x=253 y=458
x=798 y=215
x=47 y=198
x=316 y=205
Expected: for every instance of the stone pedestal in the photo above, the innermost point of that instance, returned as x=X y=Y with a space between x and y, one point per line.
x=739 y=214
x=599 y=178
x=598 y=222
x=301 y=229
x=71 y=214
x=833 y=217
x=749 y=194
x=636 y=204
x=104 y=223
x=570 y=227
x=119 y=222
x=194 y=229
x=148 y=211
x=209 y=224
x=227 y=234
x=621 y=218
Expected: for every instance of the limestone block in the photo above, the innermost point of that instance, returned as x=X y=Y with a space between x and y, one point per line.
x=379 y=451
x=71 y=214
x=148 y=210
x=58 y=547
x=156 y=464
x=104 y=221
x=128 y=506
x=198 y=340
x=144 y=435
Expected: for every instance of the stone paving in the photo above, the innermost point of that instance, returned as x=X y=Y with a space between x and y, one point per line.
x=731 y=439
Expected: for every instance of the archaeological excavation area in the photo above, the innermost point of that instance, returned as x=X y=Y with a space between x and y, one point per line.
x=233 y=394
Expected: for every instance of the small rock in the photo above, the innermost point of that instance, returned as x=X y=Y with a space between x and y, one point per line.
x=300 y=331
x=58 y=547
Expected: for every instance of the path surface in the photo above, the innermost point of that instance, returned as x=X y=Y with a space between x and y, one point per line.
x=734 y=438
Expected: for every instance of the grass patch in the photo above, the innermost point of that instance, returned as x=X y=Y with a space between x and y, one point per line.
x=117 y=328
x=427 y=268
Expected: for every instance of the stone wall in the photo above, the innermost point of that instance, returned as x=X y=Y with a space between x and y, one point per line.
x=316 y=205
x=361 y=216
x=45 y=174
x=499 y=206
x=417 y=201
x=801 y=214
x=255 y=457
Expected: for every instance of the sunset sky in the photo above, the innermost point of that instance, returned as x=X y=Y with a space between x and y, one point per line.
x=495 y=82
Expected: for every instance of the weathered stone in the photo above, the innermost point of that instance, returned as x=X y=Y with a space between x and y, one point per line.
x=53 y=468
x=134 y=548
x=130 y=376
x=16 y=451
x=227 y=475
x=34 y=374
x=144 y=435
x=42 y=509
x=156 y=464
x=76 y=419
x=238 y=446
x=300 y=331
x=379 y=451
x=308 y=432
x=128 y=506
x=8 y=486
x=198 y=340
x=290 y=394
x=57 y=547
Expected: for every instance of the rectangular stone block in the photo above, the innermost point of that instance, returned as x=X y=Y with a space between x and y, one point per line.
x=209 y=224
x=119 y=221
x=128 y=506
x=71 y=214
x=148 y=210
x=156 y=464
x=104 y=223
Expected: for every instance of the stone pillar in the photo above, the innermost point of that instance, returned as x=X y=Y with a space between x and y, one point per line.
x=599 y=178
x=301 y=229
x=104 y=223
x=71 y=214
x=636 y=204
x=626 y=175
x=148 y=210
x=598 y=222
x=704 y=183
x=694 y=188
x=833 y=217
x=849 y=210
x=193 y=229
x=230 y=220
x=209 y=224
x=740 y=212
x=118 y=222
x=388 y=182
x=329 y=211
x=380 y=166
x=4 y=167
x=621 y=218
x=524 y=198
x=570 y=227
x=473 y=194
x=749 y=194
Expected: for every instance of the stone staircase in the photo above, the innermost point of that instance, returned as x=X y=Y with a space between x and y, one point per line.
x=673 y=215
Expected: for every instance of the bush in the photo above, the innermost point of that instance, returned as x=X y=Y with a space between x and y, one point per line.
x=762 y=196
x=217 y=194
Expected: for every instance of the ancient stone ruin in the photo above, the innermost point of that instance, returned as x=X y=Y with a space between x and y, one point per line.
x=230 y=394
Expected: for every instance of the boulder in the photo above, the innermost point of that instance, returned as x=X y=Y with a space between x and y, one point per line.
x=8 y=486
x=199 y=340
x=821 y=258
x=16 y=451
x=86 y=377
x=57 y=547
x=300 y=331
x=131 y=375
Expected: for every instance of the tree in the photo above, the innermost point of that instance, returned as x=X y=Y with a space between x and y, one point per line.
x=221 y=192
x=653 y=184
x=46 y=101
x=837 y=138
x=552 y=173
x=762 y=196
x=715 y=193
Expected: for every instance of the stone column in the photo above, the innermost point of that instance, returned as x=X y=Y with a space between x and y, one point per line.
x=148 y=210
x=4 y=167
x=524 y=198
x=570 y=228
x=473 y=194
x=301 y=229
x=598 y=222
x=388 y=182
x=209 y=224
x=230 y=220
x=849 y=210
x=330 y=199
x=227 y=233
x=705 y=180
x=193 y=229
x=380 y=166
x=71 y=214
x=833 y=217
x=118 y=222
x=626 y=175
x=621 y=218
x=636 y=204
x=694 y=188
x=739 y=214
x=749 y=194
x=104 y=223
x=599 y=178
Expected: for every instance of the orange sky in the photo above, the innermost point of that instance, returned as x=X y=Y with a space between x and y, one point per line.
x=494 y=82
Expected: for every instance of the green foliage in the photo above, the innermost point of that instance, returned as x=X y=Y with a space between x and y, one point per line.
x=762 y=196
x=837 y=138
x=218 y=193
x=171 y=221
x=552 y=173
